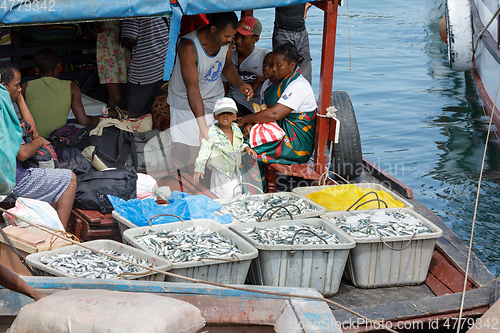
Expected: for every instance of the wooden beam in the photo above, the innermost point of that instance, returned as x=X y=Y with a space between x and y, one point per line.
x=326 y=79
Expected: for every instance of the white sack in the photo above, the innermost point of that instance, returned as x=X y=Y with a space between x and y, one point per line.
x=99 y=311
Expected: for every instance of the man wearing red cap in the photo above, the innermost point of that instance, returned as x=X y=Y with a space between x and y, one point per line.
x=248 y=60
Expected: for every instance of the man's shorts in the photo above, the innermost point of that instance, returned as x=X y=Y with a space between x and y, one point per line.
x=184 y=128
x=43 y=184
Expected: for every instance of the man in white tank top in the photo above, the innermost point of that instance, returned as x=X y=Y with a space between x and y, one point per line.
x=196 y=83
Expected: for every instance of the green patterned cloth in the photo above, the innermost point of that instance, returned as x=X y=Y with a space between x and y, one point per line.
x=295 y=147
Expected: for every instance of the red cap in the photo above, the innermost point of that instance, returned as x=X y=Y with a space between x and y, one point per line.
x=249 y=25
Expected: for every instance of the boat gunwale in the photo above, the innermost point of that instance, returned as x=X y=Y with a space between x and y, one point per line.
x=309 y=313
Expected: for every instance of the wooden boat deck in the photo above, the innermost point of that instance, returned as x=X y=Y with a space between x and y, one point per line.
x=437 y=299
x=440 y=296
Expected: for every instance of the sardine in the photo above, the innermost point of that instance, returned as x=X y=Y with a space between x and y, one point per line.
x=89 y=264
x=283 y=235
x=379 y=224
x=252 y=208
x=191 y=244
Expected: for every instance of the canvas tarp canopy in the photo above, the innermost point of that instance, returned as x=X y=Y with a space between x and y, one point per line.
x=22 y=12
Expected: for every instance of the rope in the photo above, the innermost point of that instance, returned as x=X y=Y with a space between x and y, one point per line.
x=476 y=204
x=294 y=205
x=364 y=195
x=64 y=233
x=330 y=113
x=153 y=217
x=252 y=185
x=137 y=274
x=310 y=231
x=480 y=35
x=349 y=34
x=378 y=201
x=401 y=249
x=227 y=286
x=279 y=207
x=223 y=259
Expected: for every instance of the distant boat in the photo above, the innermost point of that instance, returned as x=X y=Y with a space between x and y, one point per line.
x=471 y=48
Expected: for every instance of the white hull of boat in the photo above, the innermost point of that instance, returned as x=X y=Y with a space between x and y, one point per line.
x=486 y=69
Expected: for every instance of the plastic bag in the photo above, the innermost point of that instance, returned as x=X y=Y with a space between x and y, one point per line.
x=146 y=186
x=86 y=311
x=35 y=211
x=342 y=197
x=181 y=204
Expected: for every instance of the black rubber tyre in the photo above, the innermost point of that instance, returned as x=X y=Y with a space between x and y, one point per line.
x=347 y=158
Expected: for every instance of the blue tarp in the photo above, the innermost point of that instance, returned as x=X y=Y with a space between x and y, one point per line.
x=15 y=12
x=188 y=207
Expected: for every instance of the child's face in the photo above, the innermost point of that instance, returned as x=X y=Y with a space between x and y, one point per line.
x=267 y=66
x=225 y=118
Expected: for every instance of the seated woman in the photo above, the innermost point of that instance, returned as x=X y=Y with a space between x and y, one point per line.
x=291 y=103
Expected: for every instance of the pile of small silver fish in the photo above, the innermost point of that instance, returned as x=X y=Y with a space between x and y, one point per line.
x=249 y=208
x=380 y=223
x=89 y=264
x=283 y=234
x=191 y=244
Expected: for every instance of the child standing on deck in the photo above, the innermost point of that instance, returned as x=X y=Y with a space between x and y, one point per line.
x=222 y=153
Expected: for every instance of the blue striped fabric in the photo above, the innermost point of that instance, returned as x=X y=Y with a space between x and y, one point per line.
x=150 y=49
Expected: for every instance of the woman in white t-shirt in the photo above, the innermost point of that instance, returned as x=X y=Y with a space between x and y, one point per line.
x=292 y=105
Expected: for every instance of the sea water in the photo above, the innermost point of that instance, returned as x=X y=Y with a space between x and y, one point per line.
x=418 y=120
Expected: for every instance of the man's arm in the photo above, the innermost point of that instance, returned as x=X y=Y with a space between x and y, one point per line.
x=77 y=105
x=308 y=5
x=258 y=81
x=29 y=149
x=231 y=74
x=23 y=88
x=130 y=32
x=128 y=42
x=13 y=282
x=26 y=114
x=277 y=112
x=189 y=71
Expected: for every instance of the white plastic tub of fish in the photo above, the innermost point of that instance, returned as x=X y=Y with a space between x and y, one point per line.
x=249 y=208
x=303 y=191
x=393 y=246
x=307 y=263
x=76 y=261
x=197 y=253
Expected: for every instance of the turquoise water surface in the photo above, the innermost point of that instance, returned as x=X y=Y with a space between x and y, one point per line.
x=418 y=120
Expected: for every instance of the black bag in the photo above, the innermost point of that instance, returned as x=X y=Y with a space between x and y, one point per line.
x=70 y=136
x=93 y=188
x=72 y=159
x=112 y=148
x=45 y=157
x=141 y=138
